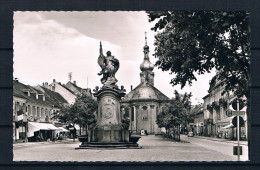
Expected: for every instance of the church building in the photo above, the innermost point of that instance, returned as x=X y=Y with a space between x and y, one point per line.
x=144 y=102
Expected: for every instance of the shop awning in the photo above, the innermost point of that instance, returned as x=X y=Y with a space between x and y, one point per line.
x=228 y=126
x=61 y=129
x=34 y=126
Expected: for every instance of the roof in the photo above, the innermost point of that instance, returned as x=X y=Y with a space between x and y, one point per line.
x=19 y=90
x=66 y=88
x=142 y=92
x=78 y=89
x=54 y=97
x=197 y=109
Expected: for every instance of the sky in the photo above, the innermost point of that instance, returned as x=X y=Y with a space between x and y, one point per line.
x=49 y=45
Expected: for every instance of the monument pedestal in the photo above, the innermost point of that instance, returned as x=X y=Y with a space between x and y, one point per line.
x=109 y=132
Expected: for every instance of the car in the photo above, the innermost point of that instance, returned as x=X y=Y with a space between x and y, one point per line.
x=190 y=134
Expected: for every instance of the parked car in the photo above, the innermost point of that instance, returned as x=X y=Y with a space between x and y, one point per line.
x=190 y=134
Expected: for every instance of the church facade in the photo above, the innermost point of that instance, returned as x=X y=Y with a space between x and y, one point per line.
x=145 y=101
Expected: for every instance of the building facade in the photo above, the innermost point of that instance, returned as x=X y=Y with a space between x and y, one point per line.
x=198 y=123
x=33 y=109
x=64 y=91
x=144 y=102
x=216 y=107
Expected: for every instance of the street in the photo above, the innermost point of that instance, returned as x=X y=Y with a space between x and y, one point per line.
x=154 y=148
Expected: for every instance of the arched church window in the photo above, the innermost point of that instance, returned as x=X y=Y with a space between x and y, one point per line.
x=127 y=111
x=145 y=113
x=132 y=114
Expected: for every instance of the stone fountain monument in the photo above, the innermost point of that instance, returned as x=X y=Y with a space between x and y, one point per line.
x=112 y=125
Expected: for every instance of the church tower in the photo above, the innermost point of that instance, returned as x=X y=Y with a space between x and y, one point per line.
x=145 y=102
x=147 y=74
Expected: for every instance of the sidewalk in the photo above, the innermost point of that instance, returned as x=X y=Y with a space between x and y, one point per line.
x=222 y=140
x=44 y=142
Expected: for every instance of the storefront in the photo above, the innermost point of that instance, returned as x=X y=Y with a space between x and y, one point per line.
x=225 y=129
x=62 y=133
x=41 y=132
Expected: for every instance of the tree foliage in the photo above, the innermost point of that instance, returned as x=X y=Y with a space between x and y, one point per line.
x=190 y=42
x=177 y=112
x=82 y=112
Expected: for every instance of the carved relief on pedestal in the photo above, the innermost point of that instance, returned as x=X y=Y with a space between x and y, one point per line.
x=108 y=108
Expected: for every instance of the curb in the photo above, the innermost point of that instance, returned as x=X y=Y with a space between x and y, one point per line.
x=227 y=141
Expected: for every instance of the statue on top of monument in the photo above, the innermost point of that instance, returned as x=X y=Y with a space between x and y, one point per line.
x=109 y=65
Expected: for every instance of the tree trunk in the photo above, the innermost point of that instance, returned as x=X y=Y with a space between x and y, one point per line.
x=179 y=133
x=80 y=129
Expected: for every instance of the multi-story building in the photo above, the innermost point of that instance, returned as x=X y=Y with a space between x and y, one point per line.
x=198 y=123
x=64 y=91
x=33 y=108
x=216 y=106
x=78 y=90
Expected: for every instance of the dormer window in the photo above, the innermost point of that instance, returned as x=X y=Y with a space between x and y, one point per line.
x=26 y=92
x=41 y=97
x=34 y=95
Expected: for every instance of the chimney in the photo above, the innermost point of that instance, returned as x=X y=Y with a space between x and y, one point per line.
x=131 y=87
x=54 y=80
x=53 y=88
x=74 y=82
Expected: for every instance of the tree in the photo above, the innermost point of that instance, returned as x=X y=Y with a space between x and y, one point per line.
x=191 y=42
x=85 y=107
x=82 y=112
x=196 y=42
x=176 y=113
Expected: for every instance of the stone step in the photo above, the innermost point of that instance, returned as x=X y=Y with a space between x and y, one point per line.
x=108 y=143
x=105 y=147
x=122 y=145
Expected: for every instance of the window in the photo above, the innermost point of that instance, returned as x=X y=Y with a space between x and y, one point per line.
x=218 y=115
x=38 y=112
x=152 y=106
x=29 y=110
x=34 y=111
x=42 y=112
x=132 y=114
x=144 y=113
x=17 y=106
x=127 y=111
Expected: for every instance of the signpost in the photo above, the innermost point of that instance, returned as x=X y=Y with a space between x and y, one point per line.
x=238 y=113
x=238 y=105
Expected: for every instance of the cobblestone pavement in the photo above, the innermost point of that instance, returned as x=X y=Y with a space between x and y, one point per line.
x=154 y=148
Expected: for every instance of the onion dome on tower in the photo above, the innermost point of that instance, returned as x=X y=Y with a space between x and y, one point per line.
x=146 y=64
